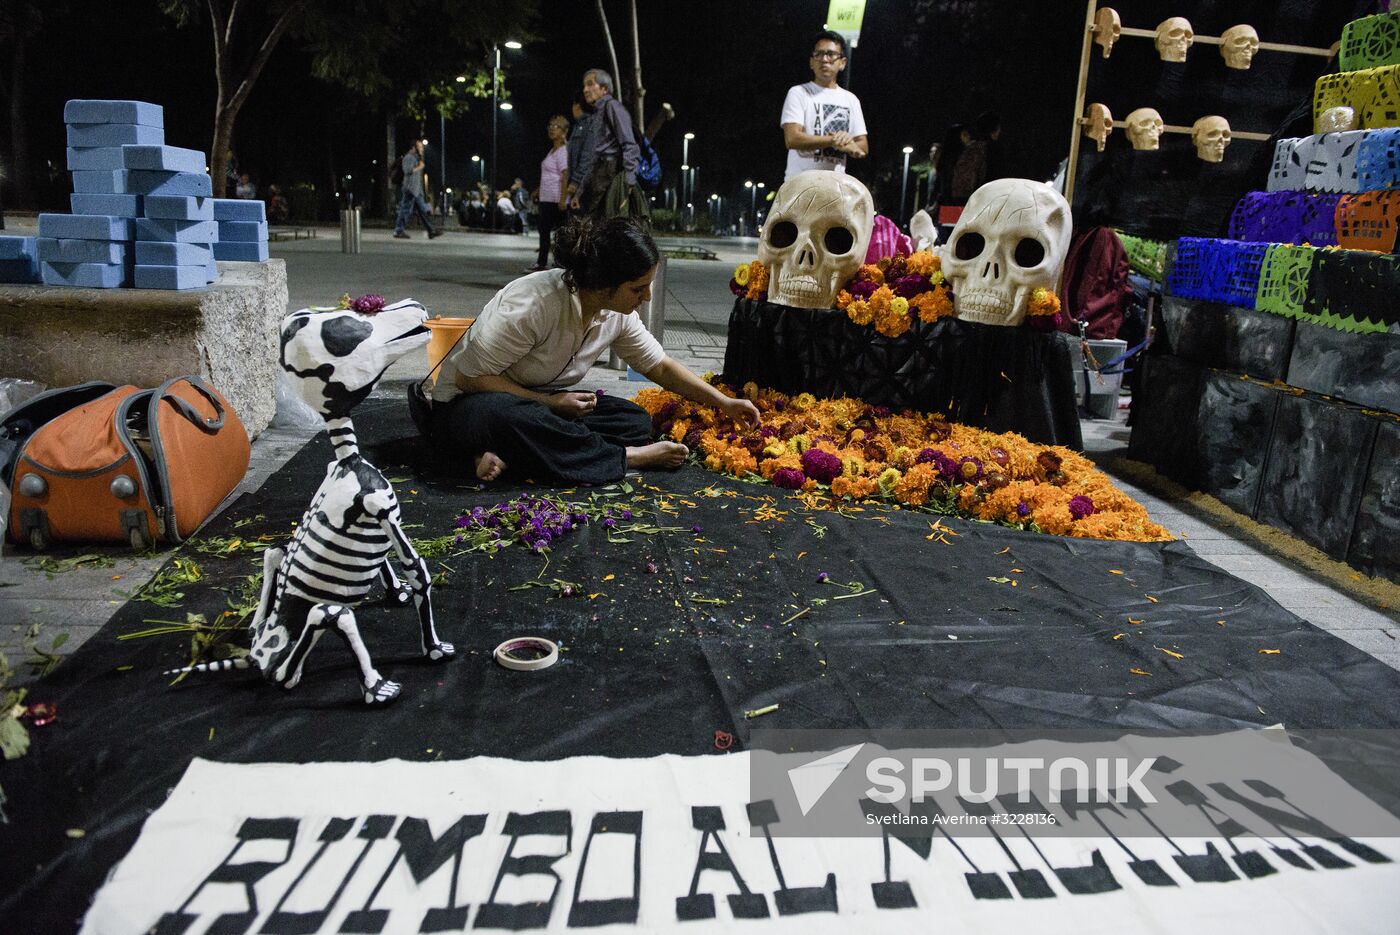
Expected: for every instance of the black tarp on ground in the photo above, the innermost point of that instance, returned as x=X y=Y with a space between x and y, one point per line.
x=653 y=666
x=1002 y=379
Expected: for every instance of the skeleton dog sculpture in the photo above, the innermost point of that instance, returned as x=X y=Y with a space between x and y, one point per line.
x=343 y=542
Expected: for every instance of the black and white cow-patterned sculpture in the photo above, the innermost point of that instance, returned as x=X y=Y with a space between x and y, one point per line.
x=343 y=543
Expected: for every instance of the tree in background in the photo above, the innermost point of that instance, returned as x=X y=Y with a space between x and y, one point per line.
x=390 y=50
x=408 y=65
x=20 y=22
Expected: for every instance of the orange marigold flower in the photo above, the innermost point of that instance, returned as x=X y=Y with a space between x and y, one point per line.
x=881 y=298
x=1043 y=302
x=860 y=312
x=843 y=300
x=921 y=262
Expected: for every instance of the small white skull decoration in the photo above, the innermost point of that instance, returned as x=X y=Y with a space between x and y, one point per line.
x=1108 y=28
x=1145 y=127
x=1012 y=238
x=1238 y=44
x=1338 y=120
x=1211 y=135
x=815 y=237
x=1174 y=37
x=1098 y=124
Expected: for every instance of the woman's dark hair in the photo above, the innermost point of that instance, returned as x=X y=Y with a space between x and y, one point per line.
x=603 y=254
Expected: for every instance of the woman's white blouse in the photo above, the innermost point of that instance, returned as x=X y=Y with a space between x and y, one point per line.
x=532 y=332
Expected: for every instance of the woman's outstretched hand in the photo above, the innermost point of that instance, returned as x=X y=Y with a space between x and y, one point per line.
x=572 y=405
x=741 y=410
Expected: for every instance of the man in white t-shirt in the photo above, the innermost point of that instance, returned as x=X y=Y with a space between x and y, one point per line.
x=822 y=121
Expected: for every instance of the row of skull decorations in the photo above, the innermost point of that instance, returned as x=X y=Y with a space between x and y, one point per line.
x=1012 y=238
x=1145 y=126
x=1210 y=134
x=1174 y=38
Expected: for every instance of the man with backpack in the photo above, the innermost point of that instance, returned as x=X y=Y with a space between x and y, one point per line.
x=411 y=169
x=604 y=183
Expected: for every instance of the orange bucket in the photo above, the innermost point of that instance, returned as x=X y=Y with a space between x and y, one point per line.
x=445 y=333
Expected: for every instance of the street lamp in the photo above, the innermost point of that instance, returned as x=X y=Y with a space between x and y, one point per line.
x=480 y=170
x=685 y=162
x=496 y=107
x=904 y=182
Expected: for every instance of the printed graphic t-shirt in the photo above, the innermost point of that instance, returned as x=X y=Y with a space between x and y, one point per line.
x=821 y=111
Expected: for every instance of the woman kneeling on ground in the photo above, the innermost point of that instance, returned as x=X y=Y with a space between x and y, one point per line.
x=502 y=397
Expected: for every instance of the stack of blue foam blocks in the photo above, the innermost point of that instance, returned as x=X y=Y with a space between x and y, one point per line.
x=242 y=230
x=19 y=260
x=93 y=245
x=175 y=236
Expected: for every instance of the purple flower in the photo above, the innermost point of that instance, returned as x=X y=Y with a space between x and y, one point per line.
x=767 y=431
x=651 y=568
x=695 y=529
x=927 y=456
x=626 y=514
x=910 y=286
x=600 y=392
x=368 y=304
x=863 y=289
x=822 y=577
x=1023 y=509
x=969 y=469
x=789 y=478
x=821 y=466
x=609 y=523
x=463 y=522
x=1081 y=506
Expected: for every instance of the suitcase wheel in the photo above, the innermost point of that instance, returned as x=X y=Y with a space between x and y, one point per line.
x=39 y=539
x=138 y=539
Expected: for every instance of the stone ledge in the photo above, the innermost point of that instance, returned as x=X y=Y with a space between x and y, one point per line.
x=226 y=333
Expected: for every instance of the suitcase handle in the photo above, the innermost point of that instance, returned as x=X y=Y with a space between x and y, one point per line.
x=212 y=425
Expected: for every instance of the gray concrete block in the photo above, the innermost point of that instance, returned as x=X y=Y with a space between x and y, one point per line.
x=226 y=334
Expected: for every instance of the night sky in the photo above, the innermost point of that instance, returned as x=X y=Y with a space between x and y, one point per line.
x=724 y=66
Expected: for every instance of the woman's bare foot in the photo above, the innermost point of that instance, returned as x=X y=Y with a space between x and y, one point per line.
x=666 y=455
x=488 y=466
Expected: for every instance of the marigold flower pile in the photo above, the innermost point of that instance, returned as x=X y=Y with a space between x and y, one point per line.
x=837 y=450
x=889 y=294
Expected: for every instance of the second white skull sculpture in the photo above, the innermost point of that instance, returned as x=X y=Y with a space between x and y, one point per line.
x=1012 y=238
x=815 y=238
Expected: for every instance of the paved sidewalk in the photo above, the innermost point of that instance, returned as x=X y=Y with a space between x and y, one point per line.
x=456 y=275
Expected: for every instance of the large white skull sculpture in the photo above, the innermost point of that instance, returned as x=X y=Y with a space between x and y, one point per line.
x=815 y=237
x=1012 y=237
x=1238 y=44
x=1174 y=37
x=1211 y=135
x=1145 y=127
x=1108 y=28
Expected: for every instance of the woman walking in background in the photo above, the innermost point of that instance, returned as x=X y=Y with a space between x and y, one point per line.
x=550 y=196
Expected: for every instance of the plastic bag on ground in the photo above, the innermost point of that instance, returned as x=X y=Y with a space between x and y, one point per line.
x=293 y=412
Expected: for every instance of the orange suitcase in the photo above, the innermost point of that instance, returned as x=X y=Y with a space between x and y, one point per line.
x=136 y=466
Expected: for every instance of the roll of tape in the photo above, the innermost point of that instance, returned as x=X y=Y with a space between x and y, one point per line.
x=504 y=653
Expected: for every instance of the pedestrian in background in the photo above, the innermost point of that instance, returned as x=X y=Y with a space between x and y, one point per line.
x=412 y=198
x=822 y=122
x=554 y=170
x=605 y=184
